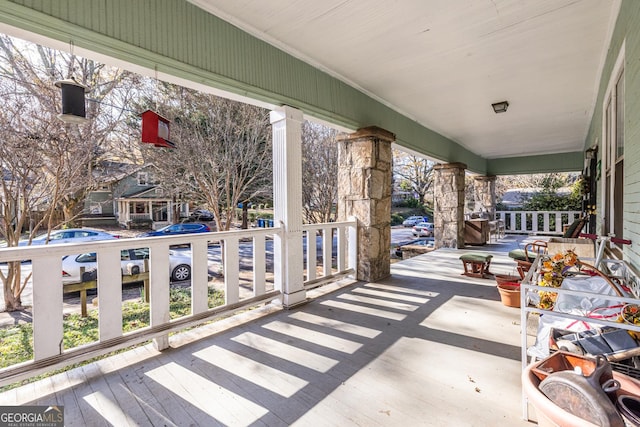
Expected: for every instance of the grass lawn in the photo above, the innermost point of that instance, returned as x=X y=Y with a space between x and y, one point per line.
x=16 y=342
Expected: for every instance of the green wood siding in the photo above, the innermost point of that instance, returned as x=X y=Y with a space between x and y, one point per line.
x=626 y=30
x=103 y=198
x=565 y=162
x=180 y=39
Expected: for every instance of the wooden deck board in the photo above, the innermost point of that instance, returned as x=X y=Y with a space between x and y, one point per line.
x=72 y=412
x=160 y=402
x=134 y=381
x=81 y=388
x=125 y=400
x=395 y=353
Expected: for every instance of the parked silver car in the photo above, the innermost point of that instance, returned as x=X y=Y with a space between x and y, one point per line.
x=69 y=235
x=132 y=262
x=413 y=220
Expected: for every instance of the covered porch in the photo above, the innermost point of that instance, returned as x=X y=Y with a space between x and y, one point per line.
x=423 y=345
x=427 y=346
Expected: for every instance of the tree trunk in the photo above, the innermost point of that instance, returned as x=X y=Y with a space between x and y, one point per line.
x=12 y=289
x=245 y=214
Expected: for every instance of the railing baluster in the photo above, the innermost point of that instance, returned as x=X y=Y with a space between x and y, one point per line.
x=259 y=265
x=327 y=246
x=341 y=248
x=159 y=290
x=312 y=254
x=353 y=247
x=109 y=293
x=199 y=277
x=47 y=306
x=231 y=270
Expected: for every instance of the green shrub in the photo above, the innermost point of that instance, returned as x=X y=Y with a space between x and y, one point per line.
x=396 y=219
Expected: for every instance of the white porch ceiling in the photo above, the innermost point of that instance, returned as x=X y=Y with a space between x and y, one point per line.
x=444 y=62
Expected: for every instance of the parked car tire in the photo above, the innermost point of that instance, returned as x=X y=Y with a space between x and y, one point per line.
x=181 y=273
x=90 y=275
x=133 y=269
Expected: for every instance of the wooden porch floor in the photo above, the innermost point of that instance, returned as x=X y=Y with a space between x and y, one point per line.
x=425 y=347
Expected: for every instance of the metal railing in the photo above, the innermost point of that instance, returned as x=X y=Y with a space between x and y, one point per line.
x=242 y=260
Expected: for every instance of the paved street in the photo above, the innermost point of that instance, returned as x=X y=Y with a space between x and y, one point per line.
x=399 y=235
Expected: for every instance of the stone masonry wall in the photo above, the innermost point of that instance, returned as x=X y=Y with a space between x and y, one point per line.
x=484 y=188
x=448 y=209
x=364 y=192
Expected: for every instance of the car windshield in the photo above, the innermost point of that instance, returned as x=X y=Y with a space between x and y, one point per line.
x=56 y=236
x=140 y=253
x=86 y=258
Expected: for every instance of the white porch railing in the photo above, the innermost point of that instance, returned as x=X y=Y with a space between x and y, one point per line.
x=254 y=247
x=536 y=222
x=139 y=216
x=325 y=243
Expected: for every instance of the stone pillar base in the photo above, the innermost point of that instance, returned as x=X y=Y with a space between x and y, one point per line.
x=448 y=211
x=484 y=188
x=364 y=192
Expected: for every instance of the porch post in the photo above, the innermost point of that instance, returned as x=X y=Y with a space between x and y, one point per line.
x=485 y=195
x=448 y=210
x=364 y=192
x=287 y=203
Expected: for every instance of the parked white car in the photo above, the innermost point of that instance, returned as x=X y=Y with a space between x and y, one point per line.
x=423 y=229
x=132 y=262
x=69 y=235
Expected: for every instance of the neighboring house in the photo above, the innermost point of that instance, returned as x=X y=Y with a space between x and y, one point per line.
x=128 y=195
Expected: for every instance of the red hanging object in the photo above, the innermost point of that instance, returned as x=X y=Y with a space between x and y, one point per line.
x=155 y=130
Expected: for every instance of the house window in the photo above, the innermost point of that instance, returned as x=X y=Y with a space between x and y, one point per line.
x=613 y=152
x=146 y=178
x=143 y=178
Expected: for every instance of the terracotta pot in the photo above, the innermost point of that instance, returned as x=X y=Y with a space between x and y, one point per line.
x=510 y=294
x=506 y=278
x=551 y=415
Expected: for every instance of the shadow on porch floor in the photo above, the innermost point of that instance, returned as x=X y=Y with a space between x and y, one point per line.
x=426 y=346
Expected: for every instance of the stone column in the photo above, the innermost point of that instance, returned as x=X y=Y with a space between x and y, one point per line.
x=287 y=204
x=364 y=192
x=484 y=188
x=448 y=210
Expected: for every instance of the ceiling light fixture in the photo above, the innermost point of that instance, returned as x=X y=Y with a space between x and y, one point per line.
x=500 y=107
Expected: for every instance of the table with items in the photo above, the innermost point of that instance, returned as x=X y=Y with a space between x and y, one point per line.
x=584 y=365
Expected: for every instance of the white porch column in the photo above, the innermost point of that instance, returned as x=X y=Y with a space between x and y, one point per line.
x=287 y=202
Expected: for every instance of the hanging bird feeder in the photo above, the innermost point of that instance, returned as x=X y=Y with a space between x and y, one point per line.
x=155 y=130
x=73 y=103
